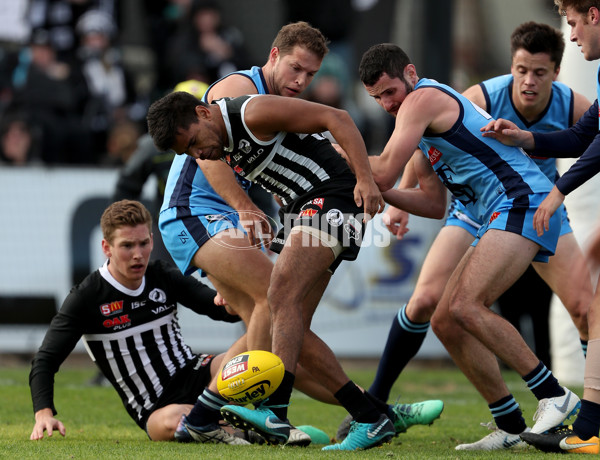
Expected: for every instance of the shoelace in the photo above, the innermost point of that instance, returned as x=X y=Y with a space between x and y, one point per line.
x=541 y=407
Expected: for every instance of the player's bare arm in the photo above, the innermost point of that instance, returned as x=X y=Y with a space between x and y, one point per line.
x=581 y=104
x=426 y=110
x=429 y=200
x=268 y=115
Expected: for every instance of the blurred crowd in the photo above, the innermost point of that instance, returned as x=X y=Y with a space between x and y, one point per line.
x=70 y=96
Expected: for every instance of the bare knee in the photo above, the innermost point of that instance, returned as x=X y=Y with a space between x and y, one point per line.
x=421 y=307
x=579 y=316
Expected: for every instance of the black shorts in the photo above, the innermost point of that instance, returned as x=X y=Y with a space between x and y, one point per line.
x=186 y=385
x=331 y=209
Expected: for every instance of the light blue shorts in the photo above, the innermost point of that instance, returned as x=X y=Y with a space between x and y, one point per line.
x=184 y=230
x=516 y=216
x=458 y=216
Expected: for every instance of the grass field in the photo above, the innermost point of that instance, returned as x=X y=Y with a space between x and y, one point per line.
x=98 y=427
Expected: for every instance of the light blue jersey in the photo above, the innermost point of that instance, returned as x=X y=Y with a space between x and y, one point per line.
x=557 y=115
x=192 y=211
x=493 y=181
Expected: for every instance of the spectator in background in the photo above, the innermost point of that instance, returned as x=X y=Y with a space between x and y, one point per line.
x=111 y=91
x=51 y=93
x=59 y=18
x=204 y=47
x=18 y=143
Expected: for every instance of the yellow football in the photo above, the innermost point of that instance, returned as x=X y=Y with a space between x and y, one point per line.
x=250 y=377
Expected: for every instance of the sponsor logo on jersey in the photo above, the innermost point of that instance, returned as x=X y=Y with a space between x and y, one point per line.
x=353 y=228
x=307 y=213
x=238 y=170
x=494 y=217
x=244 y=146
x=157 y=295
x=161 y=309
x=335 y=217
x=113 y=308
x=215 y=217
x=434 y=155
x=203 y=361
x=121 y=322
x=318 y=202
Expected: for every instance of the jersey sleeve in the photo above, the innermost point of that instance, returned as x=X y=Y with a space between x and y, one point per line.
x=571 y=142
x=63 y=334
x=581 y=140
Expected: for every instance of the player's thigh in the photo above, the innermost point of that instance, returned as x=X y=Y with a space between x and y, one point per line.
x=228 y=258
x=301 y=263
x=443 y=257
x=497 y=261
x=567 y=273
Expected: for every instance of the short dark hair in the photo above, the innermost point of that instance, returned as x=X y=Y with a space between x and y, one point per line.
x=169 y=114
x=538 y=38
x=581 y=6
x=383 y=58
x=300 y=34
x=124 y=213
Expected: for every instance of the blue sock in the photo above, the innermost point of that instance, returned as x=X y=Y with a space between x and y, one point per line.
x=507 y=415
x=542 y=383
x=207 y=409
x=404 y=341
x=584 y=347
x=587 y=423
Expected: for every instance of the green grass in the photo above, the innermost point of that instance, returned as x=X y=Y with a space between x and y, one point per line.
x=98 y=427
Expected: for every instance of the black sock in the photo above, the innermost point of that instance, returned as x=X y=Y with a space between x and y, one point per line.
x=507 y=415
x=404 y=341
x=355 y=402
x=542 y=383
x=279 y=401
x=587 y=423
x=378 y=403
x=207 y=409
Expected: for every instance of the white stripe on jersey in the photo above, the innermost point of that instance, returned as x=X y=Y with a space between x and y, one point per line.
x=293 y=176
x=180 y=351
x=132 y=330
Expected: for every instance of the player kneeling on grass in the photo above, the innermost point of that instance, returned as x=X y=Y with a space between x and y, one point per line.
x=126 y=313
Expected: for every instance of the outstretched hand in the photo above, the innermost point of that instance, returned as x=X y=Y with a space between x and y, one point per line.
x=508 y=133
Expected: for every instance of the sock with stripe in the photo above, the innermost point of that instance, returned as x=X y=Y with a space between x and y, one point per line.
x=404 y=341
x=584 y=344
x=507 y=415
x=207 y=409
x=542 y=383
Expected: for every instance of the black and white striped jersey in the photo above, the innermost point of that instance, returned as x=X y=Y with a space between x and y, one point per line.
x=289 y=165
x=133 y=336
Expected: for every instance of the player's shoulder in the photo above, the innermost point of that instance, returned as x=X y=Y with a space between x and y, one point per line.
x=235 y=84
